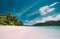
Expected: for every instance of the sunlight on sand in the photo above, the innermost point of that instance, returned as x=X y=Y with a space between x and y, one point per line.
x=24 y=32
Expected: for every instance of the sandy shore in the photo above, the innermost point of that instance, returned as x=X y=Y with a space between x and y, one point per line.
x=24 y=32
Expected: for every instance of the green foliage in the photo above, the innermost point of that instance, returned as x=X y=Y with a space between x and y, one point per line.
x=8 y=19
x=48 y=23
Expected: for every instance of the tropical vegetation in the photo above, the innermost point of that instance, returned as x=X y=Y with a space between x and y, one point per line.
x=48 y=23
x=8 y=19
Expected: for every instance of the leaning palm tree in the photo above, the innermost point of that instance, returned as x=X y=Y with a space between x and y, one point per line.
x=20 y=23
x=14 y=19
x=8 y=16
x=0 y=16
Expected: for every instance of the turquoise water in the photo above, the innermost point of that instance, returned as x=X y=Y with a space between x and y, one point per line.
x=50 y=32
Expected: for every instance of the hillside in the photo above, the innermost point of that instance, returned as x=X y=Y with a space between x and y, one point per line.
x=8 y=19
x=48 y=23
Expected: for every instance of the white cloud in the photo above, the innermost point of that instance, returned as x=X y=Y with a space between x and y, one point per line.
x=55 y=17
x=54 y=3
x=43 y=10
x=46 y=9
x=49 y=18
x=33 y=13
x=50 y=10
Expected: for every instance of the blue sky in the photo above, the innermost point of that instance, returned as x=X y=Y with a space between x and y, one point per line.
x=32 y=11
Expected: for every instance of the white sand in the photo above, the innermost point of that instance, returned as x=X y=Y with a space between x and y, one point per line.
x=16 y=32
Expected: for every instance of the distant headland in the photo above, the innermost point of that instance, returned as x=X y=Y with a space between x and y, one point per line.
x=48 y=23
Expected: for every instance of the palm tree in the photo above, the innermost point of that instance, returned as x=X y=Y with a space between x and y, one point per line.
x=8 y=16
x=0 y=16
x=20 y=23
x=14 y=19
